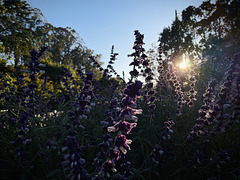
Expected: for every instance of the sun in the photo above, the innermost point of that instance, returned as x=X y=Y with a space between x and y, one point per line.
x=183 y=65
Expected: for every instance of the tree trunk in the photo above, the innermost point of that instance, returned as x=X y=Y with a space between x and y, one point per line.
x=16 y=61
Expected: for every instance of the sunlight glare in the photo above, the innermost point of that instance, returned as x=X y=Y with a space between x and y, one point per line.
x=183 y=65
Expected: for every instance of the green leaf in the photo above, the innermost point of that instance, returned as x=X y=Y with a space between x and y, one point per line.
x=54 y=172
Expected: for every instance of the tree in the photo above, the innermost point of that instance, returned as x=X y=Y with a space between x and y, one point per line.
x=210 y=30
x=65 y=47
x=18 y=22
x=61 y=44
x=222 y=22
x=178 y=39
x=23 y=28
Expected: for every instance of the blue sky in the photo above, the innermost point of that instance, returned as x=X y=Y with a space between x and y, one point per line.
x=103 y=23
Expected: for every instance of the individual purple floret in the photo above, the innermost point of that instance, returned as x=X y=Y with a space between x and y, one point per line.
x=108 y=166
x=122 y=143
x=212 y=178
x=197 y=159
x=129 y=113
x=50 y=144
x=12 y=120
x=123 y=126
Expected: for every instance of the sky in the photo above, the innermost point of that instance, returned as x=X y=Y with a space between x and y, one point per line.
x=103 y=23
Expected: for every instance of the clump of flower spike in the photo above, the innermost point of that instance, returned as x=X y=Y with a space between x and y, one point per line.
x=44 y=101
x=30 y=90
x=104 y=146
x=206 y=117
x=126 y=165
x=149 y=93
x=91 y=58
x=122 y=128
x=159 y=150
x=192 y=92
x=235 y=96
x=229 y=97
x=219 y=111
x=218 y=161
x=127 y=115
x=82 y=103
x=107 y=74
x=28 y=94
x=68 y=80
x=128 y=120
x=197 y=158
x=73 y=163
x=34 y=63
x=138 y=56
x=222 y=158
x=236 y=101
x=207 y=108
x=22 y=134
x=205 y=112
x=111 y=62
x=29 y=100
x=178 y=89
x=162 y=71
x=110 y=70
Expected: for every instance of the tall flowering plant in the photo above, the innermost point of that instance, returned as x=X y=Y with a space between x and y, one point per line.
x=23 y=101
x=162 y=71
x=178 y=89
x=127 y=122
x=159 y=150
x=217 y=114
x=73 y=162
x=128 y=119
x=112 y=117
x=138 y=56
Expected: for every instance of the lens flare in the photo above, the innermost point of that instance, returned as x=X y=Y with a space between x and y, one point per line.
x=183 y=65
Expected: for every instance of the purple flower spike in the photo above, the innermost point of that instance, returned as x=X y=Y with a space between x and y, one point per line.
x=128 y=112
x=73 y=163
